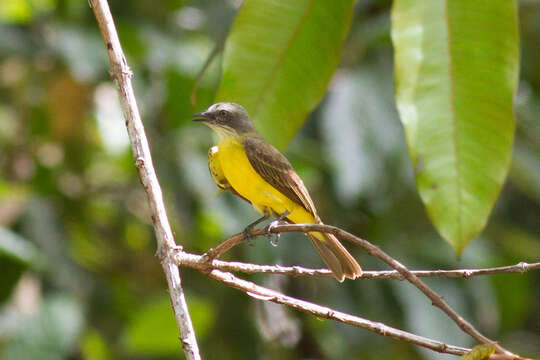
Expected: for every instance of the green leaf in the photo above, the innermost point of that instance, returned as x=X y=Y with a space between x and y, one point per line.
x=279 y=58
x=479 y=352
x=456 y=71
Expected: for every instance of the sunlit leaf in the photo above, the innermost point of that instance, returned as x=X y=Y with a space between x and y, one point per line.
x=278 y=59
x=479 y=352
x=456 y=67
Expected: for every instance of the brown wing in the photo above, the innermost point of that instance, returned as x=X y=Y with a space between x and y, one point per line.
x=275 y=169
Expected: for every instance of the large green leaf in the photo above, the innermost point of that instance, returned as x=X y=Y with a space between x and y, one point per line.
x=456 y=70
x=279 y=58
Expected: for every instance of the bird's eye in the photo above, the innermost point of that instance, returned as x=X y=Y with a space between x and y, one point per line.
x=223 y=113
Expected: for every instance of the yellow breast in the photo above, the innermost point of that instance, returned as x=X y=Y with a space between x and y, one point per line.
x=215 y=168
x=247 y=182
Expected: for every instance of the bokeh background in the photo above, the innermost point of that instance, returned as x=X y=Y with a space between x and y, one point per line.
x=79 y=279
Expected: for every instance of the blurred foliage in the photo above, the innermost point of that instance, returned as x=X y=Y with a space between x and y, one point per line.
x=77 y=249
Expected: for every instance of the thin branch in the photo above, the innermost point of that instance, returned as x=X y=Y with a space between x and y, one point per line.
x=229 y=243
x=265 y=294
x=375 y=251
x=214 y=269
x=520 y=268
x=200 y=262
x=121 y=75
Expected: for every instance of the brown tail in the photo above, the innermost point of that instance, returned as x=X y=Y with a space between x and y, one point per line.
x=336 y=257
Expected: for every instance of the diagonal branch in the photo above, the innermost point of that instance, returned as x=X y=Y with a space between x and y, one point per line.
x=121 y=75
x=375 y=251
x=262 y=293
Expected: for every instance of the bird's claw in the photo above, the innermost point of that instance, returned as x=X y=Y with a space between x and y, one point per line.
x=273 y=239
x=246 y=234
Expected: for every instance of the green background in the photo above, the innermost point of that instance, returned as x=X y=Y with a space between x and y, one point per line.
x=79 y=276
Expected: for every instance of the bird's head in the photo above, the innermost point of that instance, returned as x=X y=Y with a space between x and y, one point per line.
x=226 y=119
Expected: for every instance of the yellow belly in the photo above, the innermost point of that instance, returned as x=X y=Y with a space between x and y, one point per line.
x=247 y=182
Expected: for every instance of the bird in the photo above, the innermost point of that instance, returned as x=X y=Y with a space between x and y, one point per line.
x=248 y=166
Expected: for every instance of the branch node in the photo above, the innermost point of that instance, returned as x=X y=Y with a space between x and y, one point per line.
x=382 y=329
x=126 y=71
x=139 y=162
x=161 y=253
x=206 y=258
x=330 y=314
x=206 y=264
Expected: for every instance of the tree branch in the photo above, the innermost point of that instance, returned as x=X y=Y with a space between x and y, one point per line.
x=266 y=294
x=375 y=251
x=121 y=75
x=213 y=269
x=200 y=262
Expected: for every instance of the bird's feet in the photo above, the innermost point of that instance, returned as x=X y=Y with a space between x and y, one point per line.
x=275 y=239
x=271 y=238
x=246 y=234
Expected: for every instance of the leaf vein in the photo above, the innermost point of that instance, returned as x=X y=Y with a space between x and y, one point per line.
x=281 y=58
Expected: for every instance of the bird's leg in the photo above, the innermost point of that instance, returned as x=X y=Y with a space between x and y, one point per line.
x=247 y=231
x=272 y=225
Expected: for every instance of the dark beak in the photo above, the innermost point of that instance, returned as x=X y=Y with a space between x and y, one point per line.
x=202 y=116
